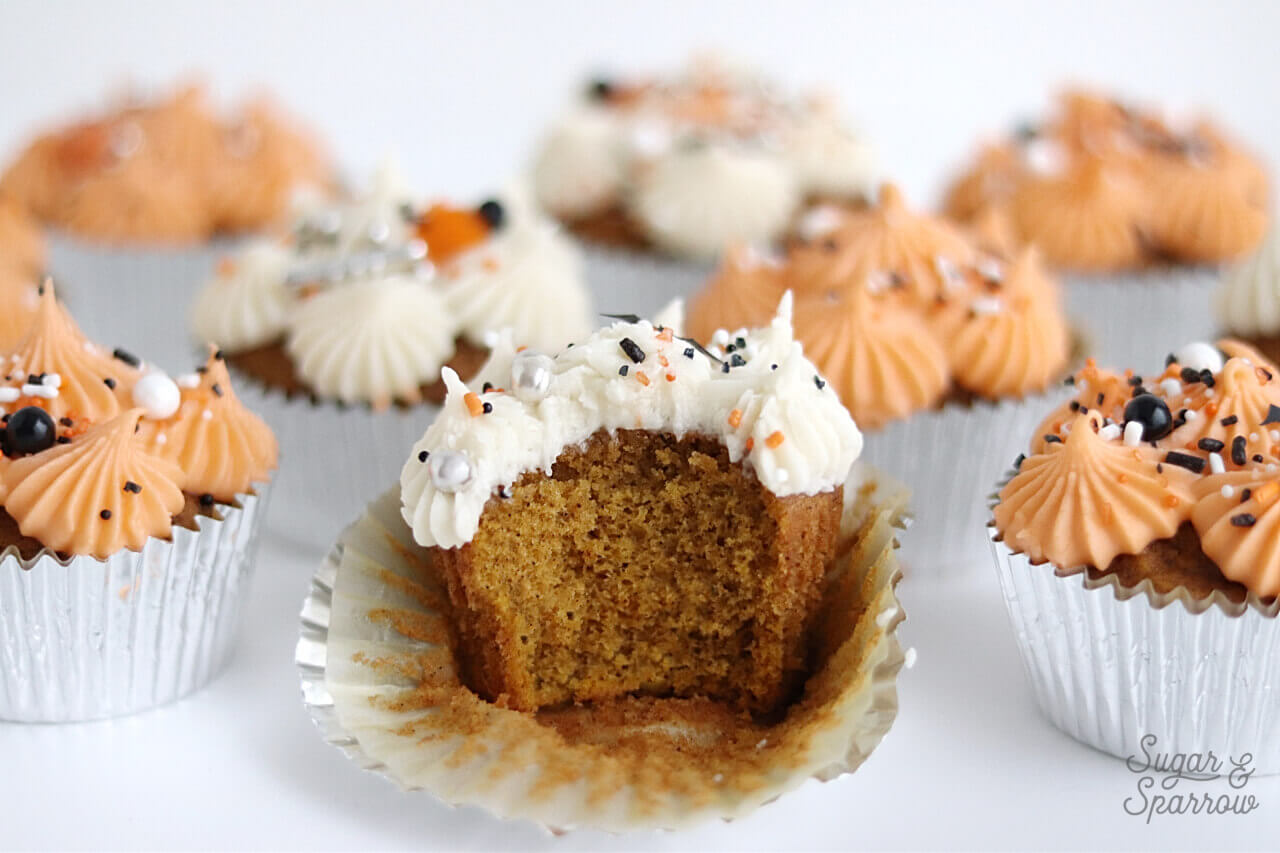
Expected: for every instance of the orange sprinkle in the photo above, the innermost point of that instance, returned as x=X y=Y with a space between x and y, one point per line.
x=521 y=349
x=1171 y=501
x=1266 y=494
x=644 y=380
x=735 y=418
x=1211 y=408
x=662 y=359
x=671 y=377
x=474 y=405
x=1091 y=362
x=1122 y=477
x=775 y=438
x=751 y=442
x=666 y=335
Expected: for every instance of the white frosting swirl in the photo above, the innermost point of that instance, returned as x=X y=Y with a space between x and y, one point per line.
x=527 y=278
x=698 y=200
x=1247 y=302
x=372 y=341
x=247 y=304
x=579 y=168
x=829 y=159
x=795 y=435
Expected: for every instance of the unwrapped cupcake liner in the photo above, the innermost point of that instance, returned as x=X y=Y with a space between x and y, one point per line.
x=1135 y=317
x=87 y=639
x=1112 y=664
x=628 y=281
x=135 y=297
x=393 y=704
x=333 y=459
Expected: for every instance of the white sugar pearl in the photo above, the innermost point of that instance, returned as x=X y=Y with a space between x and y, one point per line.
x=450 y=470
x=1199 y=355
x=1228 y=492
x=158 y=394
x=531 y=375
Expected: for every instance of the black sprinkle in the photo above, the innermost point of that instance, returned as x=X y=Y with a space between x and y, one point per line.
x=109 y=382
x=202 y=369
x=730 y=348
x=1135 y=381
x=741 y=342
x=216 y=389
x=66 y=422
x=773 y=367
x=688 y=352
x=1228 y=421
x=817 y=380
x=62 y=439
x=486 y=387
x=1190 y=375
x=1075 y=406
x=1185 y=460
x=218 y=356
x=1206 y=376
x=1169 y=359
x=125 y=356
x=1244 y=519
x=1238 y=454
x=1017 y=463
x=206 y=499
x=1257 y=457
x=724 y=367
x=737 y=360
x=632 y=349
x=130 y=486
x=105 y=515
x=422 y=455
x=35 y=378
x=1070 y=380
x=1245 y=495
x=1210 y=445
x=1273 y=415
x=829 y=245
x=1138 y=391
x=503 y=493
x=622 y=371
x=1159 y=468
x=626 y=318
x=1101 y=397
x=1052 y=439
x=488 y=407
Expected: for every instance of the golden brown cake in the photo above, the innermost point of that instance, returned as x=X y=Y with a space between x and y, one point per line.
x=636 y=516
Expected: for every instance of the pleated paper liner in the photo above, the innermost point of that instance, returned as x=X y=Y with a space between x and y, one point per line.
x=136 y=297
x=87 y=639
x=1111 y=664
x=380 y=679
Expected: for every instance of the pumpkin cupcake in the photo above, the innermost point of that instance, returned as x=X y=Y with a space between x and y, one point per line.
x=1135 y=544
x=129 y=504
x=923 y=332
x=644 y=586
x=341 y=328
x=1135 y=210
x=142 y=197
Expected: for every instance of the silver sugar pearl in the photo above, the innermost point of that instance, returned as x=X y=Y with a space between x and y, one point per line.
x=378 y=232
x=531 y=375
x=450 y=470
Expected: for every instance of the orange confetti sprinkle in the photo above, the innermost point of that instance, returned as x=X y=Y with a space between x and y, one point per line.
x=775 y=438
x=644 y=380
x=666 y=335
x=751 y=442
x=671 y=377
x=735 y=418
x=662 y=359
x=474 y=404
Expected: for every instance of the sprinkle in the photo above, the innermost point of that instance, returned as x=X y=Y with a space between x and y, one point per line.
x=1228 y=491
x=909 y=657
x=1190 y=375
x=1112 y=431
x=40 y=391
x=1017 y=463
x=66 y=422
x=1134 y=381
x=1273 y=415
x=775 y=438
x=125 y=356
x=132 y=487
x=1170 y=387
x=216 y=389
x=884 y=617
x=488 y=407
x=666 y=335
x=986 y=305
x=1245 y=495
x=206 y=499
x=188 y=380
x=9 y=395
x=1052 y=439
x=1244 y=519
x=109 y=382
x=486 y=387
x=1238 y=454
x=207 y=414
x=724 y=367
x=688 y=352
x=818 y=380
x=662 y=360
x=735 y=418
x=474 y=406
x=1070 y=380
x=1215 y=463
x=1075 y=406
x=1101 y=398
x=1253 y=437
x=1191 y=414
x=423 y=455
x=1274 y=435
x=1185 y=460
x=622 y=371
x=632 y=350
x=671 y=377
x=644 y=380
x=1257 y=457
x=1171 y=501
x=736 y=360
x=1133 y=434
x=1229 y=421
x=1210 y=445
x=751 y=442
x=161 y=438
x=105 y=515
x=53 y=380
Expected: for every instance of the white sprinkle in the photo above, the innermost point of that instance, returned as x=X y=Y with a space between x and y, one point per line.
x=1253 y=437
x=1228 y=492
x=986 y=305
x=991 y=269
x=1192 y=414
x=53 y=380
x=947 y=271
x=40 y=391
x=1083 y=384
x=906 y=521
x=764 y=741
x=1170 y=387
x=1112 y=432
x=1208 y=393
x=1275 y=435
x=718 y=778
x=1132 y=434
x=207 y=414
x=188 y=380
x=909 y=658
x=879 y=281
x=1215 y=463
x=9 y=395
x=161 y=438
x=885 y=617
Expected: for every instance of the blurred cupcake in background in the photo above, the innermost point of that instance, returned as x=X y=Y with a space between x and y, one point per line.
x=340 y=329
x=21 y=266
x=685 y=164
x=941 y=349
x=129 y=505
x=1246 y=303
x=139 y=198
x=1134 y=208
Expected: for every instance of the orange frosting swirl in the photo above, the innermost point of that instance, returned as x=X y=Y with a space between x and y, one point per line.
x=1243 y=391
x=743 y=293
x=221 y=447
x=1085 y=500
x=138 y=201
x=990 y=181
x=1241 y=536
x=1204 y=214
x=73 y=498
x=54 y=344
x=879 y=356
x=1084 y=218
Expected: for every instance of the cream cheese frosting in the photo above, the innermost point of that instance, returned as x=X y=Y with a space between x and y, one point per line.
x=248 y=304
x=1247 y=302
x=762 y=399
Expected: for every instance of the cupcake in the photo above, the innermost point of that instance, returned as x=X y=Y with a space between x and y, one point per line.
x=340 y=330
x=639 y=588
x=128 y=509
x=684 y=165
x=1135 y=545
x=929 y=339
x=139 y=197
x=1134 y=208
x=1246 y=303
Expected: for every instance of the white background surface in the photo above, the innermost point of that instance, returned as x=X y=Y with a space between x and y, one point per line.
x=458 y=90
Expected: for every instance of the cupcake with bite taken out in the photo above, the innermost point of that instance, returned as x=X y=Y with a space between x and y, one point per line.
x=340 y=331
x=129 y=505
x=932 y=339
x=1137 y=210
x=1136 y=545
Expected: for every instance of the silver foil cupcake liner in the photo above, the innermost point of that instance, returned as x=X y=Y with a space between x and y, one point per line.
x=87 y=639
x=1131 y=316
x=1111 y=665
x=626 y=281
x=136 y=298
x=356 y=668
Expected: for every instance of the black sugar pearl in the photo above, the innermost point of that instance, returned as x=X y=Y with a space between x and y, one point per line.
x=30 y=430
x=1153 y=413
x=737 y=360
x=493 y=213
x=488 y=407
x=817 y=380
x=422 y=455
x=206 y=500
x=105 y=515
x=125 y=356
